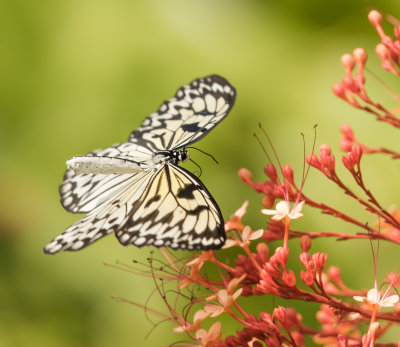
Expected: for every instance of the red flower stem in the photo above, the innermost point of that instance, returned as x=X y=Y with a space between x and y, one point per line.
x=381 y=150
x=224 y=266
x=286 y=234
x=329 y=210
x=166 y=255
x=240 y=309
x=235 y=316
x=373 y=319
x=341 y=236
x=350 y=193
x=134 y=271
x=146 y=308
x=388 y=117
x=314 y=289
x=252 y=258
x=335 y=213
x=385 y=214
x=321 y=285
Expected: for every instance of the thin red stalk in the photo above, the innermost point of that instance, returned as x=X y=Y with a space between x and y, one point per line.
x=385 y=214
x=342 y=236
x=252 y=258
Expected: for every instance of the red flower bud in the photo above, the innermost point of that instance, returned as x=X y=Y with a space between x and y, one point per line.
x=245 y=175
x=375 y=18
x=266 y=317
x=382 y=51
x=289 y=278
x=348 y=161
x=339 y=91
x=334 y=274
x=324 y=150
x=268 y=201
x=360 y=56
x=357 y=153
x=347 y=131
x=281 y=256
x=393 y=278
x=305 y=243
x=348 y=83
x=280 y=314
x=304 y=258
x=319 y=260
x=347 y=62
x=287 y=172
x=345 y=145
x=314 y=161
x=327 y=159
x=307 y=277
x=397 y=34
x=270 y=171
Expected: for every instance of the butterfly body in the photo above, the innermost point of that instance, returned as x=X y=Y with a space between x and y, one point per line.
x=137 y=190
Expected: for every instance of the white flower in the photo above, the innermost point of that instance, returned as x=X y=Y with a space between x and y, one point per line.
x=374 y=298
x=246 y=236
x=283 y=210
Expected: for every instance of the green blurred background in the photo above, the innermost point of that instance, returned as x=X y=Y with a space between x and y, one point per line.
x=80 y=75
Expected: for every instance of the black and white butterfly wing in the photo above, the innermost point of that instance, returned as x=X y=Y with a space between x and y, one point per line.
x=81 y=193
x=104 y=218
x=195 y=110
x=177 y=211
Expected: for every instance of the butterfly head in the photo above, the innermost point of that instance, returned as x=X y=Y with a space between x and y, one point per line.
x=173 y=157
x=182 y=156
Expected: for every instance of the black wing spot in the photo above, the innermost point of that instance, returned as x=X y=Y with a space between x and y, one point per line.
x=192 y=127
x=153 y=199
x=187 y=191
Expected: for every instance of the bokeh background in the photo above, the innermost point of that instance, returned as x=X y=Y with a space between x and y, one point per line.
x=80 y=75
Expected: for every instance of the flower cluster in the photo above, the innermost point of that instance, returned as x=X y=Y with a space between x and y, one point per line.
x=257 y=267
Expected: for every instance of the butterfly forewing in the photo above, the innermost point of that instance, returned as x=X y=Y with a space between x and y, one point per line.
x=103 y=219
x=176 y=211
x=196 y=109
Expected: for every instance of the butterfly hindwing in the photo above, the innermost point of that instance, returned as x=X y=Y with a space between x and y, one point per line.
x=176 y=210
x=195 y=109
x=103 y=219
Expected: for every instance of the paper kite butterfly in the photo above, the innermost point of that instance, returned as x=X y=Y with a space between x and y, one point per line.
x=137 y=190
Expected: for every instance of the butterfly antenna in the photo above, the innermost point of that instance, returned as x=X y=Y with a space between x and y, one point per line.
x=204 y=153
x=201 y=171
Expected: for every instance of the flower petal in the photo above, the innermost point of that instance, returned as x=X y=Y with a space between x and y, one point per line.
x=242 y=210
x=237 y=293
x=374 y=296
x=268 y=212
x=283 y=207
x=359 y=298
x=256 y=234
x=389 y=301
x=229 y=243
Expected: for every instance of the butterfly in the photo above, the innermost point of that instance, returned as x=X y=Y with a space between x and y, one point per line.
x=137 y=190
